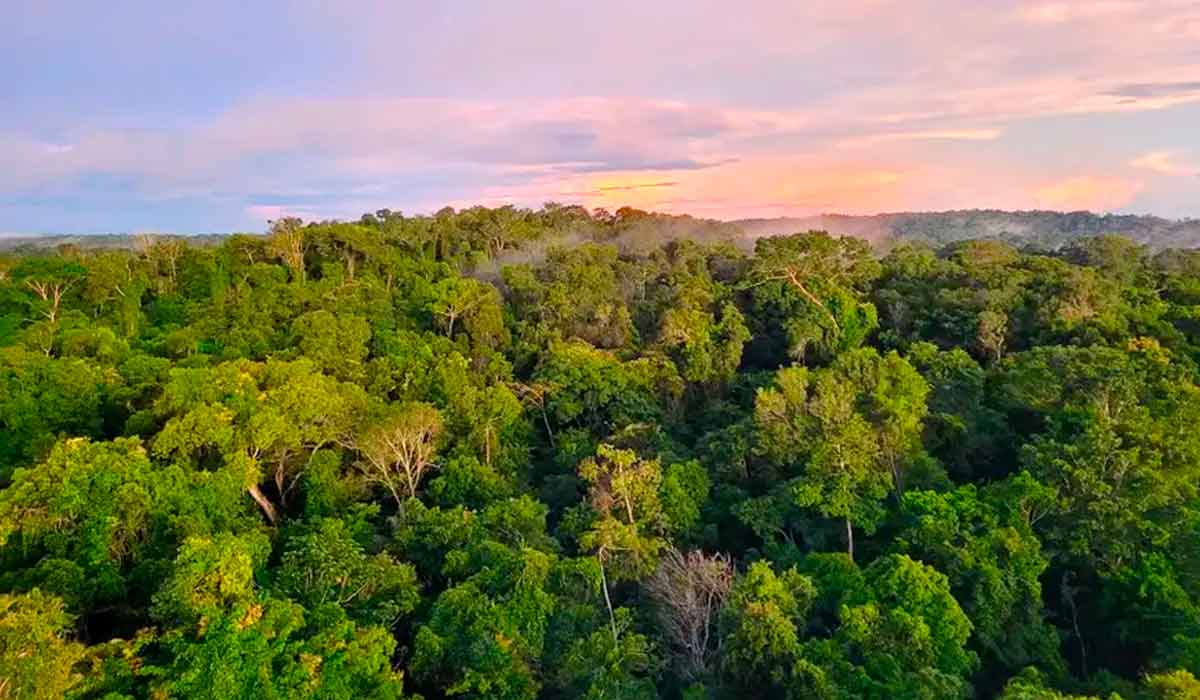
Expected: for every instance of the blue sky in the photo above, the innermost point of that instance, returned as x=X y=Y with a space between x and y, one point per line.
x=218 y=116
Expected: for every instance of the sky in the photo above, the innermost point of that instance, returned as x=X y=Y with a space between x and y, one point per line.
x=138 y=115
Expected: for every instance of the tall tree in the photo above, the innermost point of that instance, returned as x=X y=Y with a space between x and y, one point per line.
x=399 y=448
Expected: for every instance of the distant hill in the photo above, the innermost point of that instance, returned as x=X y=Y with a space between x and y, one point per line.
x=638 y=230
x=1041 y=229
x=99 y=241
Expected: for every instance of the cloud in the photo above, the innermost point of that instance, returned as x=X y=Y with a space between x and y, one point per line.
x=765 y=186
x=931 y=135
x=858 y=105
x=1160 y=89
x=1164 y=163
x=283 y=144
x=1090 y=192
x=379 y=137
x=1060 y=12
x=640 y=186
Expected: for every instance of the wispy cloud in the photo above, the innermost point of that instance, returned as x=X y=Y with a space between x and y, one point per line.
x=639 y=186
x=930 y=135
x=1160 y=89
x=1060 y=12
x=1164 y=163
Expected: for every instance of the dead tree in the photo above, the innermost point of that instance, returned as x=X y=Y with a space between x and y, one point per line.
x=689 y=591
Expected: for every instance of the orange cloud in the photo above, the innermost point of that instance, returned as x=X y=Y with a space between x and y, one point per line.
x=782 y=186
x=1090 y=192
x=824 y=183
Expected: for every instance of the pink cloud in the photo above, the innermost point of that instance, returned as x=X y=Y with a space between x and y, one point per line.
x=1164 y=163
x=904 y=100
x=1056 y=12
x=929 y=135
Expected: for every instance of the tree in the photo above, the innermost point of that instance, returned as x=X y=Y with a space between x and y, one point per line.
x=485 y=417
x=1108 y=442
x=892 y=398
x=116 y=283
x=43 y=398
x=1031 y=685
x=963 y=430
x=624 y=536
x=1121 y=259
x=813 y=264
x=336 y=345
x=900 y=634
x=1175 y=685
x=577 y=293
x=594 y=388
x=703 y=337
x=345 y=249
x=983 y=541
x=93 y=522
x=992 y=334
x=399 y=449
x=454 y=298
x=226 y=638
x=288 y=241
x=37 y=659
x=485 y=634
x=760 y=628
x=843 y=433
x=689 y=591
x=812 y=284
x=50 y=279
x=255 y=415
x=325 y=565
x=536 y=394
x=602 y=666
x=815 y=425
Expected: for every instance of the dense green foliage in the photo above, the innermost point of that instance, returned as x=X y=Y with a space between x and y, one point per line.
x=529 y=454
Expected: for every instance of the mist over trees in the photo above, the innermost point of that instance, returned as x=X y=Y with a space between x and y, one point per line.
x=1046 y=230
x=557 y=453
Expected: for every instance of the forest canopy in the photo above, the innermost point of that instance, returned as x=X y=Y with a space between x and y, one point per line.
x=558 y=453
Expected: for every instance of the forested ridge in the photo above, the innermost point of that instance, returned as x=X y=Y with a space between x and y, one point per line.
x=1044 y=229
x=503 y=453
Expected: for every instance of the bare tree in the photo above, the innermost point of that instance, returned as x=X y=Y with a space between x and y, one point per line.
x=163 y=253
x=399 y=450
x=287 y=241
x=689 y=591
x=143 y=241
x=166 y=254
x=991 y=332
x=51 y=292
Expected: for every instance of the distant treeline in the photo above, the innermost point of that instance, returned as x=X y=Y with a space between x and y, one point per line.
x=1043 y=230
x=1046 y=230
